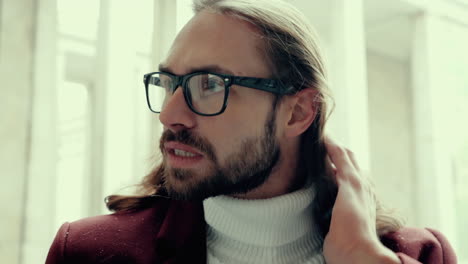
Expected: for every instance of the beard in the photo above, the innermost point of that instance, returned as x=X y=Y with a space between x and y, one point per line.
x=245 y=169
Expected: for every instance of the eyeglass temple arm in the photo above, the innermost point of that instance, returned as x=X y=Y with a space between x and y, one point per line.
x=268 y=85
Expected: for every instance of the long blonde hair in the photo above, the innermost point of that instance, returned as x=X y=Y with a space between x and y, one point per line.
x=293 y=54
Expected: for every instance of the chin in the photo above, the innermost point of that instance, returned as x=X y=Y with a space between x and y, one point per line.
x=185 y=194
x=186 y=189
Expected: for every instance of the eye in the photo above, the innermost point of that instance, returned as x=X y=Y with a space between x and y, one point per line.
x=206 y=85
x=213 y=84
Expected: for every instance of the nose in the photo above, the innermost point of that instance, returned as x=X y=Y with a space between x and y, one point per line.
x=176 y=115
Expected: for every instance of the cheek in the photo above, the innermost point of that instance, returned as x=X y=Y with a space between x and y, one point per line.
x=225 y=136
x=228 y=133
x=245 y=117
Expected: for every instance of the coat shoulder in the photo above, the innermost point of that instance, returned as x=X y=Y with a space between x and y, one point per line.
x=425 y=245
x=99 y=239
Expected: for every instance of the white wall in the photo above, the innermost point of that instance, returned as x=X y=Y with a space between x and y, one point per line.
x=391 y=132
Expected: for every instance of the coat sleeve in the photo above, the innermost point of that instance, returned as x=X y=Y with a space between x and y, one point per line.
x=420 y=246
x=57 y=249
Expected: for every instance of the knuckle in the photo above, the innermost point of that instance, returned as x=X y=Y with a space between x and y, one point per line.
x=350 y=153
x=339 y=150
x=357 y=184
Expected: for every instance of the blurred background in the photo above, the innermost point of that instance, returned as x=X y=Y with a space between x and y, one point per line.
x=74 y=125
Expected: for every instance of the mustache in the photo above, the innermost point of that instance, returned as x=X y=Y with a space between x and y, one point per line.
x=190 y=139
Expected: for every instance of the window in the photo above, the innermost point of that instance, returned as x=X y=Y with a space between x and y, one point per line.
x=78 y=19
x=72 y=139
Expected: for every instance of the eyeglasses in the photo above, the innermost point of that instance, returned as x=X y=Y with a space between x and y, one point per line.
x=205 y=93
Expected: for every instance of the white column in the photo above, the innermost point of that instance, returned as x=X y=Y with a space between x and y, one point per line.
x=349 y=122
x=431 y=100
x=17 y=31
x=40 y=226
x=170 y=16
x=115 y=90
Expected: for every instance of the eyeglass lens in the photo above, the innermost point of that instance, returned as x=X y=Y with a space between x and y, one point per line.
x=205 y=92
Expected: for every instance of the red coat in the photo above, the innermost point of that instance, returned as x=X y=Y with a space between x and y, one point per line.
x=174 y=232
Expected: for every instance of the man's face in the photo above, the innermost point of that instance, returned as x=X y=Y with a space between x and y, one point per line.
x=230 y=153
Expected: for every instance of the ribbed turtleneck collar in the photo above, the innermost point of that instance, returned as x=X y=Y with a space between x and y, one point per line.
x=278 y=230
x=266 y=222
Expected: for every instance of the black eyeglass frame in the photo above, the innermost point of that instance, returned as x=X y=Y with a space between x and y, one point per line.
x=263 y=84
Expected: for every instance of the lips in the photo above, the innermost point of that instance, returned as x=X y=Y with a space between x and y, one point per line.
x=182 y=156
x=181 y=150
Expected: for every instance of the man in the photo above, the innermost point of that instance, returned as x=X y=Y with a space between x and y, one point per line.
x=247 y=175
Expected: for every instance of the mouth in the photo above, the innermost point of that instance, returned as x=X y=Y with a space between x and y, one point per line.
x=182 y=156
x=182 y=153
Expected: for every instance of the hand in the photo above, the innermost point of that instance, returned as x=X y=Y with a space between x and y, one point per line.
x=352 y=237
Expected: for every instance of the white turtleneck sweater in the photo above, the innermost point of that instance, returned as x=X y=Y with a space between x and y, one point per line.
x=278 y=230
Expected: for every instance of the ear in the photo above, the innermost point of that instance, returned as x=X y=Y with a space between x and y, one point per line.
x=303 y=110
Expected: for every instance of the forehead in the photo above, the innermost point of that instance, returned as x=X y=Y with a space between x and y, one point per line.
x=215 y=39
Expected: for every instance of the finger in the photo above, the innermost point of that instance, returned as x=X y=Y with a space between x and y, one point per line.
x=339 y=156
x=330 y=168
x=353 y=159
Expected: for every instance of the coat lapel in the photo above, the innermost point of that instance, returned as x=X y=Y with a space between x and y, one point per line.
x=182 y=237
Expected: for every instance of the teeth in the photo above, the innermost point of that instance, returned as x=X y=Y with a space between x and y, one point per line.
x=182 y=153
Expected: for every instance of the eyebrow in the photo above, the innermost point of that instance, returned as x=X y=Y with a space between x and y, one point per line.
x=207 y=68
